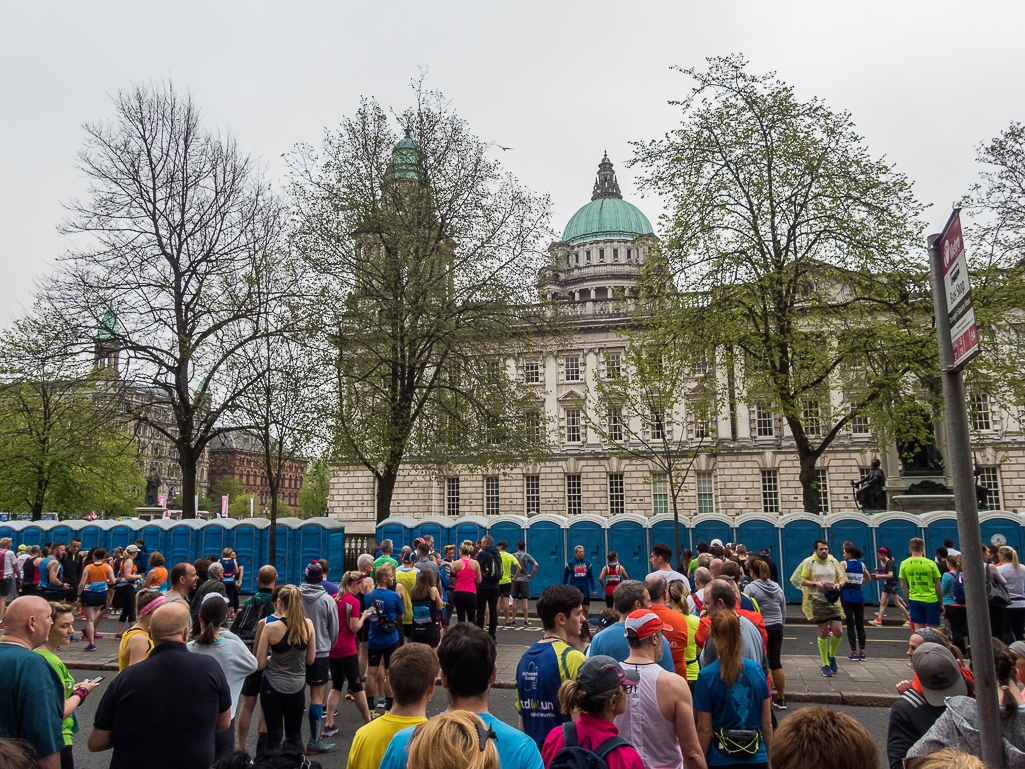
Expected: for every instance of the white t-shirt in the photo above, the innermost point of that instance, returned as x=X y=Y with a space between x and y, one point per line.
x=819 y=572
x=9 y=564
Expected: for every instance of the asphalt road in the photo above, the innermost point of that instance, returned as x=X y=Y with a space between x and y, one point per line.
x=502 y=704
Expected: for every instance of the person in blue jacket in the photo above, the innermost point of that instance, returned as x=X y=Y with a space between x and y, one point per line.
x=579 y=574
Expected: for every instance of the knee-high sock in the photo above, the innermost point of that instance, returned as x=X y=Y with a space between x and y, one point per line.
x=834 y=644
x=824 y=650
x=316 y=716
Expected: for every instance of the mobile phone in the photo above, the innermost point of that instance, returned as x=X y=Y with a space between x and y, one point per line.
x=97 y=680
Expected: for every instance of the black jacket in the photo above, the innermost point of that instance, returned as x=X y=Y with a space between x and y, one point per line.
x=482 y=558
x=910 y=718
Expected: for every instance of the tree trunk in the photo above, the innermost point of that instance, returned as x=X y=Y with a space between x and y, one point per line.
x=676 y=535
x=385 y=489
x=187 y=462
x=809 y=494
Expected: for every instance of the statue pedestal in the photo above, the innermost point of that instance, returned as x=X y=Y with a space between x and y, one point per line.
x=149 y=513
x=919 y=494
x=923 y=503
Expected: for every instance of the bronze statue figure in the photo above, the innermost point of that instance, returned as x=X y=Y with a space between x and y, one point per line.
x=868 y=492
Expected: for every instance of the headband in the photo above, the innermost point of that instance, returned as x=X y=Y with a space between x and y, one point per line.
x=152 y=605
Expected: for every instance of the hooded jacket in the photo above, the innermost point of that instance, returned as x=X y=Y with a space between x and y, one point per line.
x=492 y=551
x=958 y=728
x=772 y=602
x=322 y=611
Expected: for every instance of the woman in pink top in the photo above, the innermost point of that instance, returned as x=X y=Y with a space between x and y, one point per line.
x=599 y=693
x=344 y=657
x=467 y=572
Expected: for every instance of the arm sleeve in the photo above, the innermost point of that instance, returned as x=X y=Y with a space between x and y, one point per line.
x=899 y=737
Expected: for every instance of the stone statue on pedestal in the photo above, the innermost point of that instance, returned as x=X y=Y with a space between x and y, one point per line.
x=868 y=492
x=152 y=487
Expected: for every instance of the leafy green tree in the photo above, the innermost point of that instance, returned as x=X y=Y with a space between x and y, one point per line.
x=424 y=256
x=239 y=506
x=316 y=485
x=226 y=485
x=805 y=249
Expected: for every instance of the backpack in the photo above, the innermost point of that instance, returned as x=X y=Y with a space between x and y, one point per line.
x=573 y=756
x=248 y=617
x=491 y=569
x=446 y=575
x=957 y=589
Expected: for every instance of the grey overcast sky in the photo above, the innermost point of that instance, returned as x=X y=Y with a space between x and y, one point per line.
x=559 y=82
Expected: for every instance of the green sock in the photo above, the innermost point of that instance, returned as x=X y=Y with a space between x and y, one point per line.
x=834 y=644
x=824 y=650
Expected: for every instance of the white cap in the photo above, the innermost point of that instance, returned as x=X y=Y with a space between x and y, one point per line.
x=715 y=542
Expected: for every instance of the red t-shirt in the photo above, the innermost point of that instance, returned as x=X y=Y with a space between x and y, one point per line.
x=677 y=637
x=345 y=644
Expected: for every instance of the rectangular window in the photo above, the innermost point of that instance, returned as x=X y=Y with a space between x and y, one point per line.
x=770 y=492
x=811 y=417
x=587 y=256
x=572 y=368
x=613 y=365
x=698 y=366
x=860 y=425
x=978 y=409
x=706 y=492
x=535 y=423
x=764 y=426
x=532 y=372
x=491 y=495
x=601 y=254
x=452 y=496
x=573 y=495
x=573 y=425
x=658 y=430
x=822 y=481
x=617 y=496
x=990 y=478
x=532 y=493
x=615 y=254
x=615 y=427
x=629 y=254
x=659 y=493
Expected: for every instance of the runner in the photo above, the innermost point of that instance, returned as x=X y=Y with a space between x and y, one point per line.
x=521 y=582
x=662 y=561
x=676 y=626
x=231 y=577
x=344 y=656
x=97 y=579
x=954 y=608
x=921 y=581
x=322 y=611
x=29 y=572
x=549 y=662
x=819 y=575
x=852 y=600
x=51 y=575
x=578 y=574
x=448 y=582
x=124 y=590
x=262 y=603
x=773 y=603
x=406 y=576
x=678 y=603
x=136 y=643
x=611 y=575
x=509 y=565
x=886 y=572
x=386 y=609
x=466 y=572
x=490 y=561
x=385 y=557
x=454 y=741
x=156 y=579
x=10 y=573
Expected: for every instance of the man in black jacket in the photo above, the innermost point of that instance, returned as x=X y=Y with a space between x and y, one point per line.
x=937 y=676
x=490 y=561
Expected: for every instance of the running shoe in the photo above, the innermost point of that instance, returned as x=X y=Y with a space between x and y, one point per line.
x=74 y=638
x=862 y=657
x=313 y=748
x=382 y=703
x=832 y=664
x=854 y=656
x=779 y=704
x=826 y=671
x=97 y=635
x=877 y=622
x=526 y=623
x=328 y=731
x=509 y=626
x=119 y=636
x=90 y=648
x=907 y=624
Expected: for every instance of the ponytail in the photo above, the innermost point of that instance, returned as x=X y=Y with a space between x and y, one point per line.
x=726 y=632
x=572 y=696
x=1009 y=554
x=209 y=619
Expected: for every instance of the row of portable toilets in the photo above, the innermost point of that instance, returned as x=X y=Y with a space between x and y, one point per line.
x=550 y=539
x=298 y=541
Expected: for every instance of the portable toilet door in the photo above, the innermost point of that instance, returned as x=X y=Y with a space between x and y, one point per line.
x=398 y=529
x=122 y=533
x=250 y=544
x=62 y=531
x=510 y=528
x=211 y=539
x=314 y=541
x=95 y=534
x=8 y=529
x=152 y=534
x=285 y=555
x=800 y=531
x=705 y=528
x=628 y=536
x=1000 y=527
x=546 y=543
x=181 y=541
x=855 y=528
x=35 y=533
x=939 y=526
x=757 y=531
x=895 y=530
x=471 y=527
x=588 y=531
x=662 y=529
x=334 y=546
x=440 y=529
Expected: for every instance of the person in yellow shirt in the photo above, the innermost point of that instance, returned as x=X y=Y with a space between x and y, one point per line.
x=678 y=600
x=509 y=567
x=406 y=576
x=412 y=672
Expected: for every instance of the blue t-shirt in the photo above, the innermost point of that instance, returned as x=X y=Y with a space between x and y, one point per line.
x=739 y=707
x=386 y=612
x=612 y=642
x=946 y=581
x=579 y=575
x=515 y=749
x=539 y=674
x=31 y=700
x=855 y=579
x=329 y=587
x=228 y=564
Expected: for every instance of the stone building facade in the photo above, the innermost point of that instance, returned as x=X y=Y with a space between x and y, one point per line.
x=751 y=466
x=240 y=456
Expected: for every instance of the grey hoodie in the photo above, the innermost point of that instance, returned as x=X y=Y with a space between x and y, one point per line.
x=322 y=611
x=958 y=728
x=771 y=601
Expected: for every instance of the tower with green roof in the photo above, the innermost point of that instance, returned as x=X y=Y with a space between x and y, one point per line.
x=106 y=344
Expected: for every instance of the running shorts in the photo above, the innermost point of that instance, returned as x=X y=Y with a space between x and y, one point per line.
x=318 y=673
x=374 y=656
x=924 y=612
x=251 y=684
x=505 y=590
x=520 y=590
x=345 y=669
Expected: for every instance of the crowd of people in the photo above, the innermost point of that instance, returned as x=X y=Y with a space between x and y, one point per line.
x=683 y=668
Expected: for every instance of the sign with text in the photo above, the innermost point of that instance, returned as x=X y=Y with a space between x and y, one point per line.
x=964 y=334
x=224 y=506
x=162 y=501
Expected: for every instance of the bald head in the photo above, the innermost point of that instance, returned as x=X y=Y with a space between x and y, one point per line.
x=715 y=568
x=27 y=620
x=170 y=623
x=702 y=577
x=658 y=588
x=267 y=576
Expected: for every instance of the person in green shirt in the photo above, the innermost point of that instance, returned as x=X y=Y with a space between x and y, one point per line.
x=509 y=568
x=922 y=584
x=385 y=557
x=63 y=616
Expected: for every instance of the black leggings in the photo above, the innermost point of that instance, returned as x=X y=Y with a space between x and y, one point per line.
x=774 y=646
x=1014 y=626
x=232 y=589
x=466 y=606
x=997 y=620
x=855 y=614
x=487 y=597
x=957 y=616
x=284 y=716
x=124 y=597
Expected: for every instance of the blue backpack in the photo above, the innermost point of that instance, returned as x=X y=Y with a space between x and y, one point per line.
x=573 y=756
x=957 y=588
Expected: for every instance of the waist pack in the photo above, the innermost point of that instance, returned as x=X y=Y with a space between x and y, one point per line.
x=738 y=743
x=96 y=587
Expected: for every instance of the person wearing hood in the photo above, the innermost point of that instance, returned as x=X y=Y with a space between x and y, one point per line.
x=821 y=577
x=322 y=611
x=958 y=726
x=937 y=676
x=490 y=561
x=773 y=604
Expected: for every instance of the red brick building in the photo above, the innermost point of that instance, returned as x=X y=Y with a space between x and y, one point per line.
x=240 y=455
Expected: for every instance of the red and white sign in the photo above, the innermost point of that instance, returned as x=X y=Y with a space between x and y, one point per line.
x=162 y=501
x=964 y=334
x=224 y=506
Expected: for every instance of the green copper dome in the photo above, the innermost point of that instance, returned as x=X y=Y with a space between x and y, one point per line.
x=607 y=215
x=109 y=327
x=404 y=159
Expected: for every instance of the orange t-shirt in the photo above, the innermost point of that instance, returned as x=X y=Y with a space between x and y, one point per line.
x=96 y=572
x=676 y=636
x=157 y=577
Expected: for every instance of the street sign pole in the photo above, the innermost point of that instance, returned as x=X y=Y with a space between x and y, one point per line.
x=959 y=453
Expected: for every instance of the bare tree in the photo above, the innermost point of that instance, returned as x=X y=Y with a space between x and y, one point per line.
x=175 y=234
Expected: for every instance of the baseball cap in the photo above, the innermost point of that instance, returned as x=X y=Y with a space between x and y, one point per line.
x=643 y=623
x=602 y=673
x=409 y=557
x=21 y=548
x=314 y=572
x=1018 y=647
x=831 y=594
x=765 y=551
x=417 y=542
x=938 y=673
x=132 y=549
x=715 y=542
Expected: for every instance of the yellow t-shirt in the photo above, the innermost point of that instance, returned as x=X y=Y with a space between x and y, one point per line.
x=407 y=579
x=371 y=740
x=509 y=562
x=122 y=649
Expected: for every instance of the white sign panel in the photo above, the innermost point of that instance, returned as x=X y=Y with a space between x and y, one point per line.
x=964 y=334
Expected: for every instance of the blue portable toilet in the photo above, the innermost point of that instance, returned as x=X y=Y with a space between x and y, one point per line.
x=437 y=527
x=705 y=528
x=855 y=528
x=95 y=534
x=757 y=531
x=1000 y=527
x=123 y=533
x=37 y=533
x=8 y=529
x=61 y=531
x=471 y=527
x=154 y=536
x=588 y=531
x=939 y=525
x=895 y=529
x=546 y=542
x=799 y=532
x=661 y=530
x=511 y=528
x=317 y=538
x=628 y=535
x=182 y=542
x=215 y=535
x=249 y=541
x=399 y=529
x=285 y=557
